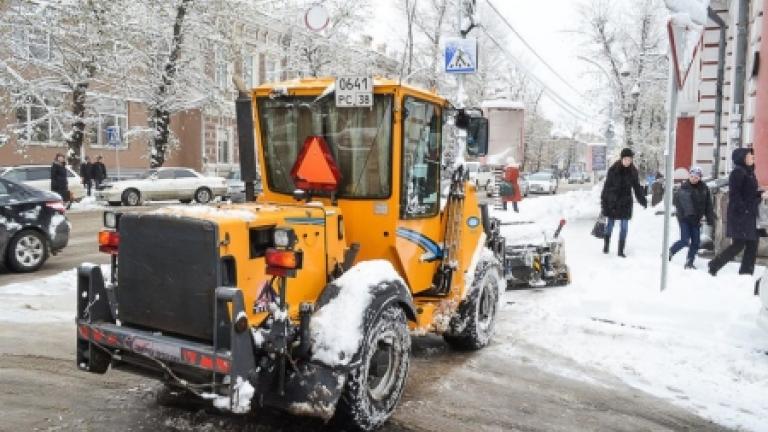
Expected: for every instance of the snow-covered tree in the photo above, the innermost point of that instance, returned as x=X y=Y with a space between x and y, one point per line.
x=626 y=41
x=55 y=53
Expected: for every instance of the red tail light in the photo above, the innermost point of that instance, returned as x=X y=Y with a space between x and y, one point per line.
x=56 y=205
x=282 y=262
x=109 y=241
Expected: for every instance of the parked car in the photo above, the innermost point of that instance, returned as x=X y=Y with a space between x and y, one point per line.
x=543 y=182
x=39 y=177
x=32 y=226
x=167 y=183
x=579 y=177
x=523 y=182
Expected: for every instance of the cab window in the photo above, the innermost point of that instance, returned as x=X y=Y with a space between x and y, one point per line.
x=422 y=136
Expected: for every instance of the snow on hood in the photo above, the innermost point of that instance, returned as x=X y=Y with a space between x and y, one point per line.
x=337 y=328
x=206 y=212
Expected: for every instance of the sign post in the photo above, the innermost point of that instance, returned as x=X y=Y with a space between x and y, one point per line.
x=684 y=37
x=113 y=140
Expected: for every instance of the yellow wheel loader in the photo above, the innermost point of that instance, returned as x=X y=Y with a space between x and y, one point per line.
x=305 y=298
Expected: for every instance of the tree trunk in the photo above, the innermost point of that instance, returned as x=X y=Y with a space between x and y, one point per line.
x=161 y=117
x=75 y=140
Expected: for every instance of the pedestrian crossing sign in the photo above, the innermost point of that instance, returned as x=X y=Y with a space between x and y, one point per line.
x=460 y=55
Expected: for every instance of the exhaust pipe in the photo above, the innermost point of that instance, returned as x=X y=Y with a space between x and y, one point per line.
x=245 y=141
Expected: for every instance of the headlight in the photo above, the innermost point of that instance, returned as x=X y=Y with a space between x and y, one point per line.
x=284 y=238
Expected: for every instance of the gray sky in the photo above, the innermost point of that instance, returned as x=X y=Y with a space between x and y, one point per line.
x=545 y=24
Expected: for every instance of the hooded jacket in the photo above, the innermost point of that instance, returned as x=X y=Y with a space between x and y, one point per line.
x=692 y=202
x=616 y=198
x=743 y=199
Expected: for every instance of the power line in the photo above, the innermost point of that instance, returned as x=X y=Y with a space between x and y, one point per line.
x=553 y=95
x=535 y=53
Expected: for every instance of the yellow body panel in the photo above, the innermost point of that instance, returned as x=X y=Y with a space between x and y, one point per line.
x=372 y=223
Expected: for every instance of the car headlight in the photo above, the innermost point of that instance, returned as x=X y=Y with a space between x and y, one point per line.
x=284 y=238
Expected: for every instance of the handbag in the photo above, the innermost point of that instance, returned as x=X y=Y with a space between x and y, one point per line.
x=599 y=229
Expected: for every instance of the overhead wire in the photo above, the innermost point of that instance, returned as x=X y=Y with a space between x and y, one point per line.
x=527 y=45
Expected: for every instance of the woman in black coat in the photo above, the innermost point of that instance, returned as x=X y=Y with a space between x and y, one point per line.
x=616 y=199
x=59 y=183
x=743 y=202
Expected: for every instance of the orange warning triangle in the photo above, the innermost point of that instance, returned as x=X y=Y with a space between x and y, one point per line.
x=315 y=168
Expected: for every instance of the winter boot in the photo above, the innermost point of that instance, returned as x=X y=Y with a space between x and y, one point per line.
x=689 y=265
x=606 y=243
x=711 y=269
x=622 y=243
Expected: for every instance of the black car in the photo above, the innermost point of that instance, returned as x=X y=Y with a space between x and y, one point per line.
x=32 y=226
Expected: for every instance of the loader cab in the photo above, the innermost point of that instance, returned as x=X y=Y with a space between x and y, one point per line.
x=388 y=157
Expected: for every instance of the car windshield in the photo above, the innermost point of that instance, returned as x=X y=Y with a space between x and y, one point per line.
x=149 y=174
x=359 y=138
x=540 y=176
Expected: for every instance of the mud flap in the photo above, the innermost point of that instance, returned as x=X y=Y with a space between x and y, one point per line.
x=312 y=389
x=92 y=306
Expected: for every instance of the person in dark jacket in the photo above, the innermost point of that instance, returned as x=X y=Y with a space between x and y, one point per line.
x=59 y=182
x=616 y=198
x=743 y=202
x=86 y=174
x=693 y=201
x=657 y=189
x=98 y=171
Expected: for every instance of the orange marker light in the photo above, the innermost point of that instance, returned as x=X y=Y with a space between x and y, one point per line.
x=109 y=241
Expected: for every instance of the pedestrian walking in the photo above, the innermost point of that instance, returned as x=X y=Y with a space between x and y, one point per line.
x=657 y=189
x=510 y=187
x=99 y=171
x=59 y=183
x=743 y=203
x=693 y=202
x=86 y=174
x=616 y=199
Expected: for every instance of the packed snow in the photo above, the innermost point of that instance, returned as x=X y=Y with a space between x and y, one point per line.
x=88 y=203
x=698 y=344
x=44 y=300
x=335 y=342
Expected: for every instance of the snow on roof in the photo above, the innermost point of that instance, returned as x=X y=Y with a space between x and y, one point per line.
x=206 y=212
x=695 y=9
x=595 y=144
x=502 y=103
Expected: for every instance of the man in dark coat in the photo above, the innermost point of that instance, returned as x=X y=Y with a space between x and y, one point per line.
x=692 y=202
x=743 y=202
x=657 y=189
x=98 y=171
x=59 y=182
x=86 y=174
x=616 y=199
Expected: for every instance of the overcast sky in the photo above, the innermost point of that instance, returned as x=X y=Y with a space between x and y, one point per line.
x=545 y=24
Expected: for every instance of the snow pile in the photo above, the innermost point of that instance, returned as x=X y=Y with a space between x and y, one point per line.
x=57 y=220
x=206 y=212
x=337 y=328
x=240 y=403
x=694 y=11
x=539 y=217
x=88 y=203
x=698 y=344
x=44 y=300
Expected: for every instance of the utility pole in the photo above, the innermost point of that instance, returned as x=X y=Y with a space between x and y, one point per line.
x=460 y=96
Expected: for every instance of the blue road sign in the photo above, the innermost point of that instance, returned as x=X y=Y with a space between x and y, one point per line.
x=460 y=55
x=113 y=136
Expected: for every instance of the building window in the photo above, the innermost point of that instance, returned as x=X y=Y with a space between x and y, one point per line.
x=36 y=121
x=108 y=112
x=222 y=70
x=32 y=43
x=272 y=70
x=249 y=69
x=223 y=145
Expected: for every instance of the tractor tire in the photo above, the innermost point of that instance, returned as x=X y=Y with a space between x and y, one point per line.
x=472 y=326
x=27 y=251
x=375 y=385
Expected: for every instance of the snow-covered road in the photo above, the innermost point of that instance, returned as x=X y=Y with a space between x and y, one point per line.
x=697 y=345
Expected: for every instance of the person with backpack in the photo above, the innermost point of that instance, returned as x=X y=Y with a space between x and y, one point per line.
x=616 y=199
x=693 y=202
x=743 y=203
